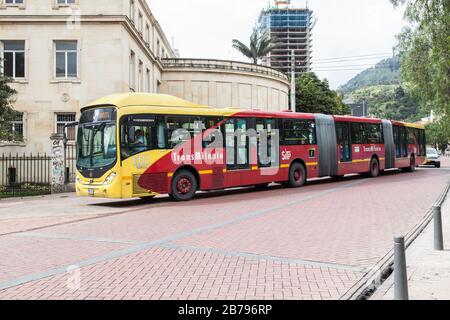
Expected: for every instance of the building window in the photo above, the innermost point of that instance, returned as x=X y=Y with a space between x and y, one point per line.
x=132 y=10
x=141 y=77
x=132 y=71
x=14 y=1
x=15 y=129
x=63 y=119
x=157 y=48
x=65 y=1
x=147 y=34
x=14 y=59
x=66 y=60
x=148 y=80
x=140 y=22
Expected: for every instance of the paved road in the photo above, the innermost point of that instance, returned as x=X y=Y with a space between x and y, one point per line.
x=316 y=242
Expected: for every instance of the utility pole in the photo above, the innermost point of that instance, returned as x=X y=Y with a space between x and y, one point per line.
x=292 y=107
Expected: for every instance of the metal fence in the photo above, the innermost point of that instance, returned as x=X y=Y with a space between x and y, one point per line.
x=71 y=162
x=24 y=175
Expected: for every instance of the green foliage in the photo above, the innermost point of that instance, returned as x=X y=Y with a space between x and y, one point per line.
x=438 y=133
x=6 y=111
x=260 y=46
x=424 y=48
x=314 y=96
x=383 y=73
x=389 y=102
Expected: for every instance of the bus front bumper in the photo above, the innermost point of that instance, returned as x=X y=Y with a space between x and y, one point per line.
x=97 y=191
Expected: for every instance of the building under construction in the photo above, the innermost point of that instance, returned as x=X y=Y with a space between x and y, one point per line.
x=291 y=28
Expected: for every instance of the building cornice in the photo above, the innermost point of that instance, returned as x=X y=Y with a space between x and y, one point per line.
x=156 y=24
x=85 y=19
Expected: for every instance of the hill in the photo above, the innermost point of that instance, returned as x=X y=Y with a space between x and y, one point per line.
x=386 y=72
x=389 y=102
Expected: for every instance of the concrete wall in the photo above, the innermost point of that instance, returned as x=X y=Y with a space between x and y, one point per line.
x=222 y=88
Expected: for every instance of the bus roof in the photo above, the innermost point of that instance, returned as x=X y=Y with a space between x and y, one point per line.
x=123 y=100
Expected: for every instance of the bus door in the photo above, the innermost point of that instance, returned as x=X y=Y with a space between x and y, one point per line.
x=267 y=156
x=401 y=146
x=344 y=146
x=237 y=149
x=359 y=138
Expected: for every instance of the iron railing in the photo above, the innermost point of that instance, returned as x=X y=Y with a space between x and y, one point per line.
x=177 y=63
x=24 y=175
x=71 y=162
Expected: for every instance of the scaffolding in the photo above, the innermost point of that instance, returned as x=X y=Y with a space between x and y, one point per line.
x=291 y=28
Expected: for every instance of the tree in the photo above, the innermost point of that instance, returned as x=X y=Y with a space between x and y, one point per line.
x=389 y=102
x=7 y=112
x=260 y=46
x=315 y=96
x=424 y=47
x=438 y=133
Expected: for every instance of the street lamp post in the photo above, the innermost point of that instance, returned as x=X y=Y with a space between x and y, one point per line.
x=292 y=107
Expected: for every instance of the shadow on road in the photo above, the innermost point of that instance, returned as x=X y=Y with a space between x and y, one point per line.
x=223 y=195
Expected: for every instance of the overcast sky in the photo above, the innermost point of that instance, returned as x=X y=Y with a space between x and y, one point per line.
x=205 y=29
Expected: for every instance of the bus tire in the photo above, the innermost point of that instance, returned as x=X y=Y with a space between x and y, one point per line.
x=183 y=186
x=412 y=165
x=297 y=175
x=374 y=168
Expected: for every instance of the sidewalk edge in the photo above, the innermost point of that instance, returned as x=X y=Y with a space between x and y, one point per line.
x=379 y=273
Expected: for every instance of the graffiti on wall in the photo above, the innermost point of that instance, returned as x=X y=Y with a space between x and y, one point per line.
x=58 y=170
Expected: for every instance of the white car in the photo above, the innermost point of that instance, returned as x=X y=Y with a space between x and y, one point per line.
x=433 y=158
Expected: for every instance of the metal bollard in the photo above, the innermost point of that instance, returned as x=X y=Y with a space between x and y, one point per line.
x=438 y=234
x=400 y=274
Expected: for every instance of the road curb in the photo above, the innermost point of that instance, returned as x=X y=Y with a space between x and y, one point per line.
x=376 y=276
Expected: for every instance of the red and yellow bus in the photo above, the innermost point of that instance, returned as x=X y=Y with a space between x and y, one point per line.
x=142 y=145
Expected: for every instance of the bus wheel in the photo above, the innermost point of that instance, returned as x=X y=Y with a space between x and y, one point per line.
x=297 y=175
x=412 y=165
x=183 y=186
x=374 y=168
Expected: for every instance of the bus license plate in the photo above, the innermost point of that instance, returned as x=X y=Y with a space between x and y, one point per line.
x=91 y=192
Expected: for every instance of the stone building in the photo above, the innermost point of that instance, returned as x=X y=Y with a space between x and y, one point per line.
x=61 y=54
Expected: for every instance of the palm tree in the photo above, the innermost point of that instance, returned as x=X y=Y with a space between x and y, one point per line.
x=260 y=46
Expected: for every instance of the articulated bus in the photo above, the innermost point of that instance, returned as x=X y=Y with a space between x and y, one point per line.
x=142 y=145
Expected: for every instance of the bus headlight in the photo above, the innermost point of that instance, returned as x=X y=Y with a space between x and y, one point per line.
x=110 y=179
x=78 y=180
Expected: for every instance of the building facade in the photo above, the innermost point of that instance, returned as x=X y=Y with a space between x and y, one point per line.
x=222 y=84
x=291 y=28
x=62 y=54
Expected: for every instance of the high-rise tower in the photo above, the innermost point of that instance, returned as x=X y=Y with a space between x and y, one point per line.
x=290 y=27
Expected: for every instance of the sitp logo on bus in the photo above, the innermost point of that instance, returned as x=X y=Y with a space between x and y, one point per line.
x=286 y=155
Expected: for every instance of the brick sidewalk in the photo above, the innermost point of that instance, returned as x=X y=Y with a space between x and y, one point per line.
x=310 y=243
x=428 y=270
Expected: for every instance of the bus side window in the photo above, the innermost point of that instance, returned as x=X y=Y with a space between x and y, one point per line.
x=211 y=130
x=137 y=134
x=180 y=129
x=411 y=137
x=358 y=134
x=298 y=132
x=161 y=135
x=374 y=134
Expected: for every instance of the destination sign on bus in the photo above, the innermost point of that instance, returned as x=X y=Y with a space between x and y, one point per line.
x=99 y=115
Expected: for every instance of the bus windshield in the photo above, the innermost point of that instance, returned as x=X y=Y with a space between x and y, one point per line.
x=97 y=145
